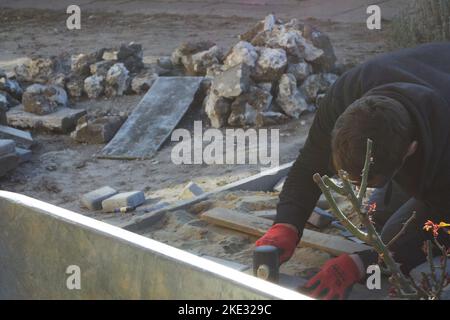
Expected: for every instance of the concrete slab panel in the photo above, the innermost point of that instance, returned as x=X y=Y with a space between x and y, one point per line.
x=154 y=118
x=40 y=241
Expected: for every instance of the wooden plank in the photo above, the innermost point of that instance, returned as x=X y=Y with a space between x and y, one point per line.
x=257 y=227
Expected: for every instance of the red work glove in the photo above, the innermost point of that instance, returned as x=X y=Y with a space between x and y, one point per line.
x=282 y=237
x=335 y=278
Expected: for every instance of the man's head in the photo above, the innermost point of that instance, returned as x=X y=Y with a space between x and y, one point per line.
x=387 y=123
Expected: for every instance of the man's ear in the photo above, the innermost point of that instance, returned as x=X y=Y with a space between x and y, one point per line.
x=411 y=149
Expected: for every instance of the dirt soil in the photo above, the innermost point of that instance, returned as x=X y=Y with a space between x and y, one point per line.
x=61 y=170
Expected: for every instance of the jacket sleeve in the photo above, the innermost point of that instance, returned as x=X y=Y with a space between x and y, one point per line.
x=300 y=193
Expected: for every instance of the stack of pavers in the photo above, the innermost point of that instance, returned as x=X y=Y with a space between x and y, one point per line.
x=108 y=199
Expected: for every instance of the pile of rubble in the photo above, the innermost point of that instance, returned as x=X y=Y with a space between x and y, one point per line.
x=109 y=72
x=275 y=72
x=38 y=94
x=10 y=95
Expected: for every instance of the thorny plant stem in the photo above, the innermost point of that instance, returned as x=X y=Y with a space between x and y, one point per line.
x=402 y=231
x=404 y=286
x=365 y=173
x=338 y=212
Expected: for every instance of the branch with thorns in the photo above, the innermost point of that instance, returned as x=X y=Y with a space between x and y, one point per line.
x=405 y=287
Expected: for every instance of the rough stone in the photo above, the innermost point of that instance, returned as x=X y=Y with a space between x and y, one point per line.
x=327 y=61
x=125 y=199
x=74 y=86
x=270 y=118
x=270 y=65
x=7 y=146
x=41 y=70
x=218 y=109
x=110 y=55
x=188 y=49
x=232 y=82
x=300 y=71
x=38 y=70
x=267 y=86
x=143 y=82
x=43 y=99
x=130 y=50
x=12 y=87
x=94 y=86
x=96 y=131
x=316 y=84
x=296 y=47
x=21 y=138
x=290 y=99
x=214 y=70
x=251 y=33
x=93 y=200
x=10 y=100
x=80 y=64
x=101 y=68
x=117 y=80
x=63 y=120
x=58 y=80
x=269 y=22
x=191 y=190
x=133 y=64
x=245 y=108
x=198 y=63
x=242 y=53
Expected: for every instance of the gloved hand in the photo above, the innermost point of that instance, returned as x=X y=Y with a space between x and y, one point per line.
x=335 y=279
x=283 y=237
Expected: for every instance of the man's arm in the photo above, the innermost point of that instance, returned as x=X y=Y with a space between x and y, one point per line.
x=300 y=193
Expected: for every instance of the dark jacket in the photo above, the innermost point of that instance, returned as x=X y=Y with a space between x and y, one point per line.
x=419 y=78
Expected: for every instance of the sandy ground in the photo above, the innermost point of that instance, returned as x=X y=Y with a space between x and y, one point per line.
x=185 y=230
x=61 y=170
